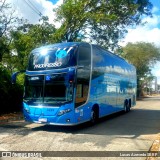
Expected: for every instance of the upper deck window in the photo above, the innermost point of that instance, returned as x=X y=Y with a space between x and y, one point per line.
x=51 y=58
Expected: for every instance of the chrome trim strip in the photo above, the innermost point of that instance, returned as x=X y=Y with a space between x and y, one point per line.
x=61 y=124
x=44 y=107
x=42 y=74
x=50 y=70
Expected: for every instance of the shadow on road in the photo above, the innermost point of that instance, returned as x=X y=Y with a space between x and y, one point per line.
x=78 y=128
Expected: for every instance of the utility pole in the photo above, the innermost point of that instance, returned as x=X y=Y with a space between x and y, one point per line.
x=156 y=86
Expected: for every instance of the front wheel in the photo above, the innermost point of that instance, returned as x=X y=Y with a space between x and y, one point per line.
x=94 y=117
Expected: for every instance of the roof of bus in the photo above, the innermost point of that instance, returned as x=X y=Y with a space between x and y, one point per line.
x=61 y=44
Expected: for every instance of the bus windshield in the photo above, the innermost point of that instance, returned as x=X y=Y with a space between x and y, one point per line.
x=47 y=90
x=53 y=57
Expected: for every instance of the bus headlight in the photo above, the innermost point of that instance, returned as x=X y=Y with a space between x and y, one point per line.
x=63 y=112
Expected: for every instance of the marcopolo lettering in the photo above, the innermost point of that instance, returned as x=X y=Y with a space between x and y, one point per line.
x=48 y=65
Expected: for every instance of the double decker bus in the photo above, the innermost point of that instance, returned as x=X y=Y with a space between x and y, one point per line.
x=75 y=82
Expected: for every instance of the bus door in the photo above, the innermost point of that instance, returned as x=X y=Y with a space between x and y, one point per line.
x=83 y=77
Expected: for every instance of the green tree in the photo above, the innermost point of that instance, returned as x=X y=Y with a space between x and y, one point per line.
x=143 y=56
x=25 y=39
x=10 y=95
x=41 y=33
x=8 y=22
x=104 y=21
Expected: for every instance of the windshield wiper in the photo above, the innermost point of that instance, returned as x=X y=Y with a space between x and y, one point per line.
x=59 y=101
x=49 y=99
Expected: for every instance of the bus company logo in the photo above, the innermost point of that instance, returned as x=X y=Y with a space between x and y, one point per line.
x=61 y=54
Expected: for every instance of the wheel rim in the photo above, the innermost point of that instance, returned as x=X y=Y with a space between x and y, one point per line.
x=93 y=117
x=126 y=107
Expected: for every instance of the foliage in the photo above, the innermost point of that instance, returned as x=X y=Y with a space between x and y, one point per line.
x=102 y=21
x=10 y=95
x=143 y=55
x=5 y=19
x=25 y=39
x=8 y=22
x=16 y=47
x=41 y=33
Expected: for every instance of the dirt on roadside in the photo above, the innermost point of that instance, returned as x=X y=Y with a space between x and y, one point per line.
x=10 y=117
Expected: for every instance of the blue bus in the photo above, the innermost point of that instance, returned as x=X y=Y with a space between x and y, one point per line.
x=75 y=82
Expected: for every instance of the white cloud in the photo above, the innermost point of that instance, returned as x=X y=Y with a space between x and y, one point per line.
x=30 y=11
x=147 y=33
x=150 y=32
x=155 y=10
x=151 y=22
x=142 y=34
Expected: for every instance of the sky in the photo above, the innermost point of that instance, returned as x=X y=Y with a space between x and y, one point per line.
x=31 y=9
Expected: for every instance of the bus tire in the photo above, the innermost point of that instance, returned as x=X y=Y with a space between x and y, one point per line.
x=126 y=106
x=94 y=115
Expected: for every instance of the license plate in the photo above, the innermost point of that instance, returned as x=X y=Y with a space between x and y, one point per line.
x=42 y=120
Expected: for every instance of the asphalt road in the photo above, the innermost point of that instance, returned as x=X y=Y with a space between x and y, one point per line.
x=134 y=131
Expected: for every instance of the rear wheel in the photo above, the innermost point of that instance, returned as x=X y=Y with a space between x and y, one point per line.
x=126 y=107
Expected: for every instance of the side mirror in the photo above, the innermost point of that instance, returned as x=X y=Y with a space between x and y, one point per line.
x=14 y=76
